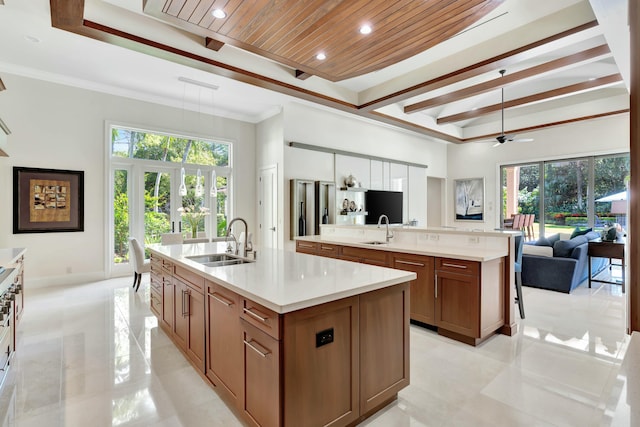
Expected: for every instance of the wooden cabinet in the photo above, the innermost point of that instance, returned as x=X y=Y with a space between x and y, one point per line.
x=156 y=286
x=463 y=299
x=322 y=385
x=423 y=288
x=178 y=302
x=469 y=298
x=18 y=284
x=189 y=322
x=306 y=247
x=223 y=344
x=262 y=396
x=384 y=345
x=365 y=256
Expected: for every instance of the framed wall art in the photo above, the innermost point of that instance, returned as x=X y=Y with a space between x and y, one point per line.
x=47 y=200
x=469 y=199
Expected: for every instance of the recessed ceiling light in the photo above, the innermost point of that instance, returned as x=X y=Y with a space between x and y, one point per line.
x=321 y=56
x=219 y=13
x=32 y=39
x=365 y=29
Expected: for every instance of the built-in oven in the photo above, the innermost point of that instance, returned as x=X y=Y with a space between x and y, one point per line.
x=8 y=292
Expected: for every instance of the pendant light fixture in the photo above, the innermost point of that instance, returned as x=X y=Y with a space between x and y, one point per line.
x=183 y=188
x=214 y=188
x=199 y=187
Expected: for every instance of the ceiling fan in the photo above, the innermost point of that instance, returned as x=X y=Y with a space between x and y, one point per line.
x=502 y=138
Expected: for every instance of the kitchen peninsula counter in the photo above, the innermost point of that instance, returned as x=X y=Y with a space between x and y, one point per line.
x=290 y=339
x=465 y=278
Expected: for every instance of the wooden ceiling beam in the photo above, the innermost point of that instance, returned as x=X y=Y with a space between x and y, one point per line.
x=586 y=55
x=547 y=125
x=500 y=61
x=213 y=44
x=566 y=90
x=302 y=75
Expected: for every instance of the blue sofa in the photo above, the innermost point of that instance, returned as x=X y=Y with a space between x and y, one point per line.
x=566 y=269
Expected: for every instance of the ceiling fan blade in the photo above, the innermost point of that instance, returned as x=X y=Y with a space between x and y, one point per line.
x=523 y=140
x=497 y=144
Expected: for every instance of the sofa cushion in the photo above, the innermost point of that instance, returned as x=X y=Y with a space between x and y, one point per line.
x=553 y=238
x=537 y=250
x=578 y=232
x=592 y=235
x=543 y=241
x=563 y=248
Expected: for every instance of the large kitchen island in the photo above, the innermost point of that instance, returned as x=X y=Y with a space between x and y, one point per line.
x=287 y=339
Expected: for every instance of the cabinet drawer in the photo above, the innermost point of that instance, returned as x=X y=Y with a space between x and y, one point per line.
x=306 y=247
x=155 y=302
x=190 y=278
x=458 y=266
x=261 y=317
x=325 y=249
x=167 y=266
x=367 y=256
x=155 y=282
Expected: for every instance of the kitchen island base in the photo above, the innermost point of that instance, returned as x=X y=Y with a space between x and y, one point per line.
x=333 y=363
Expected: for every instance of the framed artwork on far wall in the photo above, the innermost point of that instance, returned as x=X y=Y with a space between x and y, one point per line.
x=469 y=199
x=47 y=200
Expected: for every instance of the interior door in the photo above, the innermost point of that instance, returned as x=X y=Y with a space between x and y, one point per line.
x=268 y=203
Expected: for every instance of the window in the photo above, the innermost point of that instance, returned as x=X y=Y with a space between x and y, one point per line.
x=148 y=170
x=578 y=192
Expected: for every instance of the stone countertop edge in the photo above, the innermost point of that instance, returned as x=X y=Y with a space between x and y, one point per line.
x=480 y=254
x=9 y=256
x=286 y=281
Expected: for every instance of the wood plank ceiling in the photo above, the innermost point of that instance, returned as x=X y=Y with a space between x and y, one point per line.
x=293 y=32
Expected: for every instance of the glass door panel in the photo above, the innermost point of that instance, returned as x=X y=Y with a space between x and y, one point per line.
x=157 y=205
x=120 y=216
x=194 y=211
x=221 y=205
x=565 y=195
x=521 y=193
x=610 y=190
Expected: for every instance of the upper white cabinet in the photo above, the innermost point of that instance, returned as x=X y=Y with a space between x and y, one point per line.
x=417 y=195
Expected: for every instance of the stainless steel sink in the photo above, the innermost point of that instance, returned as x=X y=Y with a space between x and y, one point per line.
x=218 y=260
x=374 y=242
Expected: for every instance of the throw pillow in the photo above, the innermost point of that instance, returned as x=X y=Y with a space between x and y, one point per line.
x=537 y=250
x=578 y=232
x=553 y=238
x=543 y=241
x=563 y=248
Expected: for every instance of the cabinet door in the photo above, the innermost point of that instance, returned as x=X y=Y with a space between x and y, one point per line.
x=384 y=345
x=167 y=304
x=261 y=402
x=458 y=303
x=422 y=289
x=224 y=340
x=195 y=331
x=181 y=310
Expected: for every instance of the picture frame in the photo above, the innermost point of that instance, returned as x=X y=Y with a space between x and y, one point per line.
x=47 y=200
x=469 y=199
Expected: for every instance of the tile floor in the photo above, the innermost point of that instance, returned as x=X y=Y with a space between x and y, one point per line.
x=93 y=355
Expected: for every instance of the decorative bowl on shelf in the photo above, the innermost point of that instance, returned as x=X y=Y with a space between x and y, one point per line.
x=350 y=181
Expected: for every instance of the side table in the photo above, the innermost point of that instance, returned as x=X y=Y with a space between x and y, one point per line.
x=611 y=250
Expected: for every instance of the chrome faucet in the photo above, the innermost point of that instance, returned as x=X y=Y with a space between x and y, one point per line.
x=247 y=247
x=389 y=234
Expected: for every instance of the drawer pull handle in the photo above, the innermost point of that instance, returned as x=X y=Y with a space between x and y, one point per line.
x=257 y=316
x=221 y=300
x=446 y=264
x=256 y=349
x=436 y=287
x=327 y=248
x=302 y=245
x=418 y=264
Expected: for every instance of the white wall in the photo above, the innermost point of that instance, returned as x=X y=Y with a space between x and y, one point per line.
x=322 y=128
x=269 y=152
x=601 y=136
x=60 y=127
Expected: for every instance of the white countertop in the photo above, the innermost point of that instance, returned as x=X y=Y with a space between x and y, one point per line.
x=285 y=281
x=468 y=253
x=8 y=256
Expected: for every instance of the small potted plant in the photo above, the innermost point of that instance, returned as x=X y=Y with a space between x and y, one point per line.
x=193 y=215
